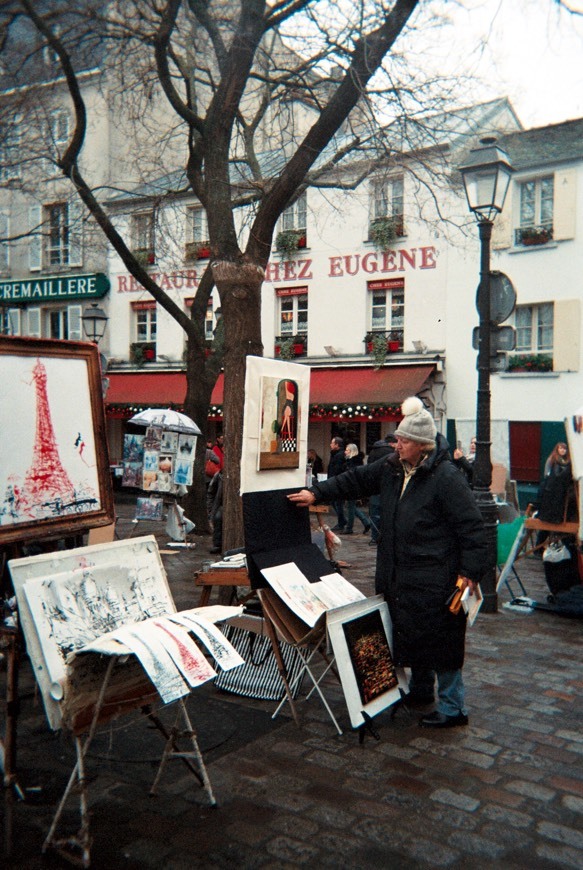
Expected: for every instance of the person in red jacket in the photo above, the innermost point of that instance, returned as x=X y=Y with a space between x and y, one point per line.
x=219 y=452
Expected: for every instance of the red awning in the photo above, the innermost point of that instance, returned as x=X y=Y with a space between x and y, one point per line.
x=153 y=388
x=339 y=385
x=367 y=386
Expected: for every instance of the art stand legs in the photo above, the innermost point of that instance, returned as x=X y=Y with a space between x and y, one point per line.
x=82 y=841
x=8 y=745
x=306 y=659
x=170 y=751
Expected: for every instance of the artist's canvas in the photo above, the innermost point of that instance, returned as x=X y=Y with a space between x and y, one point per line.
x=54 y=470
x=70 y=598
x=361 y=637
x=149 y=508
x=275 y=425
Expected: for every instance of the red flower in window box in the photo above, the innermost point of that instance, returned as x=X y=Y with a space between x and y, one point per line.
x=302 y=241
x=151 y=258
x=149 y=354
x=203 y=253
x=392 y=346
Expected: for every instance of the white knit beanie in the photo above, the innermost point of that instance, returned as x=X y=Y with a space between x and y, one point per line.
x=417 y=423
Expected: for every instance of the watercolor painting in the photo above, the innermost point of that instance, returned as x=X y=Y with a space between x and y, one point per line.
x=54 y=470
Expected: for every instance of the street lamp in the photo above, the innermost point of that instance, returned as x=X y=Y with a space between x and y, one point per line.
x=94 y=321
x=486 y=176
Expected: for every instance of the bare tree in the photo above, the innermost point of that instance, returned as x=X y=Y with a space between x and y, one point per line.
x=304 y=82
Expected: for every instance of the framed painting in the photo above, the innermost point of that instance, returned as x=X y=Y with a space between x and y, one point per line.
x=279 y=421
x=361 y=637
x=54 y=465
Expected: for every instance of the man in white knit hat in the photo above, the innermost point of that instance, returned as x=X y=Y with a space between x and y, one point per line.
x=431 y=534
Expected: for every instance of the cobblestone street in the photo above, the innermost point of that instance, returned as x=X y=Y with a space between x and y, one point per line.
x=506 y=791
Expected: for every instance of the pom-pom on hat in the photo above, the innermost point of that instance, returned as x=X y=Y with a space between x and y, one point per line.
x=417 y=423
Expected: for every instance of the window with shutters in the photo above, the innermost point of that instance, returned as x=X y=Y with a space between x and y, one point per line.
x=386 y=208
x=142 y=233
x=536 y=211
x=10 y=150
x=197 y=235
x=292 y=227
x=534 y=328
x=4 y=243
x=57 y=241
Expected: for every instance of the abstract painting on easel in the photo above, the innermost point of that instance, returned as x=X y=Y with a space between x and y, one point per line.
x=51 y=466
x=279 y=434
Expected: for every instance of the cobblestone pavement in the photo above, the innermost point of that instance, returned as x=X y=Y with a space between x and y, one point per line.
x=506 y=791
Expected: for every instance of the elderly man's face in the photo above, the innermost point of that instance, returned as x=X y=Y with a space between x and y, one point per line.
x=409 y=451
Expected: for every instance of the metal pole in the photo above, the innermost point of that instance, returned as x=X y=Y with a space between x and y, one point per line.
x=482 y=476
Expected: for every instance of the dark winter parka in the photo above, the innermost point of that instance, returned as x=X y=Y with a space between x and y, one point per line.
x=429 y=536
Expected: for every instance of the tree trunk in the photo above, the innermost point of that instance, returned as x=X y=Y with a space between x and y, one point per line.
x=239 y=286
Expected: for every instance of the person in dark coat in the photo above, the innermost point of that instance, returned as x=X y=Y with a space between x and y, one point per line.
x=431 y=533
x=336 y=466
x=384 y=447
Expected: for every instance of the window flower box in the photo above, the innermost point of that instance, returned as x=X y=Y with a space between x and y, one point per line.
x=288 y=347
x=288 y=242
x=383 y=231
x=530 y=362
x=535 y=235
x=142 y=352
x=197 y=251
x=145 y=256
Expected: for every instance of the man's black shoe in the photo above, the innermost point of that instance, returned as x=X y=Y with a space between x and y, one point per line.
x=440 y=720
x=416 y=699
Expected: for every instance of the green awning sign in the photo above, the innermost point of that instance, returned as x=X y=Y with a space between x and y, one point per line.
x=59 y=288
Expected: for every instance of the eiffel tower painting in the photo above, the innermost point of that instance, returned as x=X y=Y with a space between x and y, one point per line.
x=46 y=478
x=45 y=489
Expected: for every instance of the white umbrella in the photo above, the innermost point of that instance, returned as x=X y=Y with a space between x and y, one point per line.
x=167 y=419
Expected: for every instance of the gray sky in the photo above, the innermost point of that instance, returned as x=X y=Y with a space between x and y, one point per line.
x=534 y=54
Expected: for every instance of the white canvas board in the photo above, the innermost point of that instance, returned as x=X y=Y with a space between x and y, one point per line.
x=124 y=577
x=370 y=681
x=252 y=479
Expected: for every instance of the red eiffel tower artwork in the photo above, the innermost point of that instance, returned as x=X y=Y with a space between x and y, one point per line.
x=46 y=477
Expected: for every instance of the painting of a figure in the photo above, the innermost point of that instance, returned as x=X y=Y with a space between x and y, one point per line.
x=279 y=422
x=53 y=466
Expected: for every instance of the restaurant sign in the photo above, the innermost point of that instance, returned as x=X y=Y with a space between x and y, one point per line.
x=55 y=288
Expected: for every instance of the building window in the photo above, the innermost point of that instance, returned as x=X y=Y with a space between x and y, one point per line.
x=293 y=321
x=146 y=325
x=10 y=151
x=57 y=234
x=293 y=314
x=142 y=229
x=143 y=348
x=536 y=212
x=534 y=328
x=60 y=126
x=292 y=227
x=387 y=312
x=387 y=204
x=197 y=235
x=4 y=243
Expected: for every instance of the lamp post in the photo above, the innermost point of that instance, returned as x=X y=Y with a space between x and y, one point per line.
x=94 y=321
x=486 y=176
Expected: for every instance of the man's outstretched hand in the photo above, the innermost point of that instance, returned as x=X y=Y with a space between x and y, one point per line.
x=303 y=498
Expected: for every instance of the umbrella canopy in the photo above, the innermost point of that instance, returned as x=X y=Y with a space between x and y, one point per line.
x=167 y=419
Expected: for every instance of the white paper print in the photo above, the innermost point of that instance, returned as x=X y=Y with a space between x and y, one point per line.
x=224 y=653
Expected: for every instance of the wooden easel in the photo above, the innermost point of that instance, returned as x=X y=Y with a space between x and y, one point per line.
x=525 y=543
x=77 y=848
